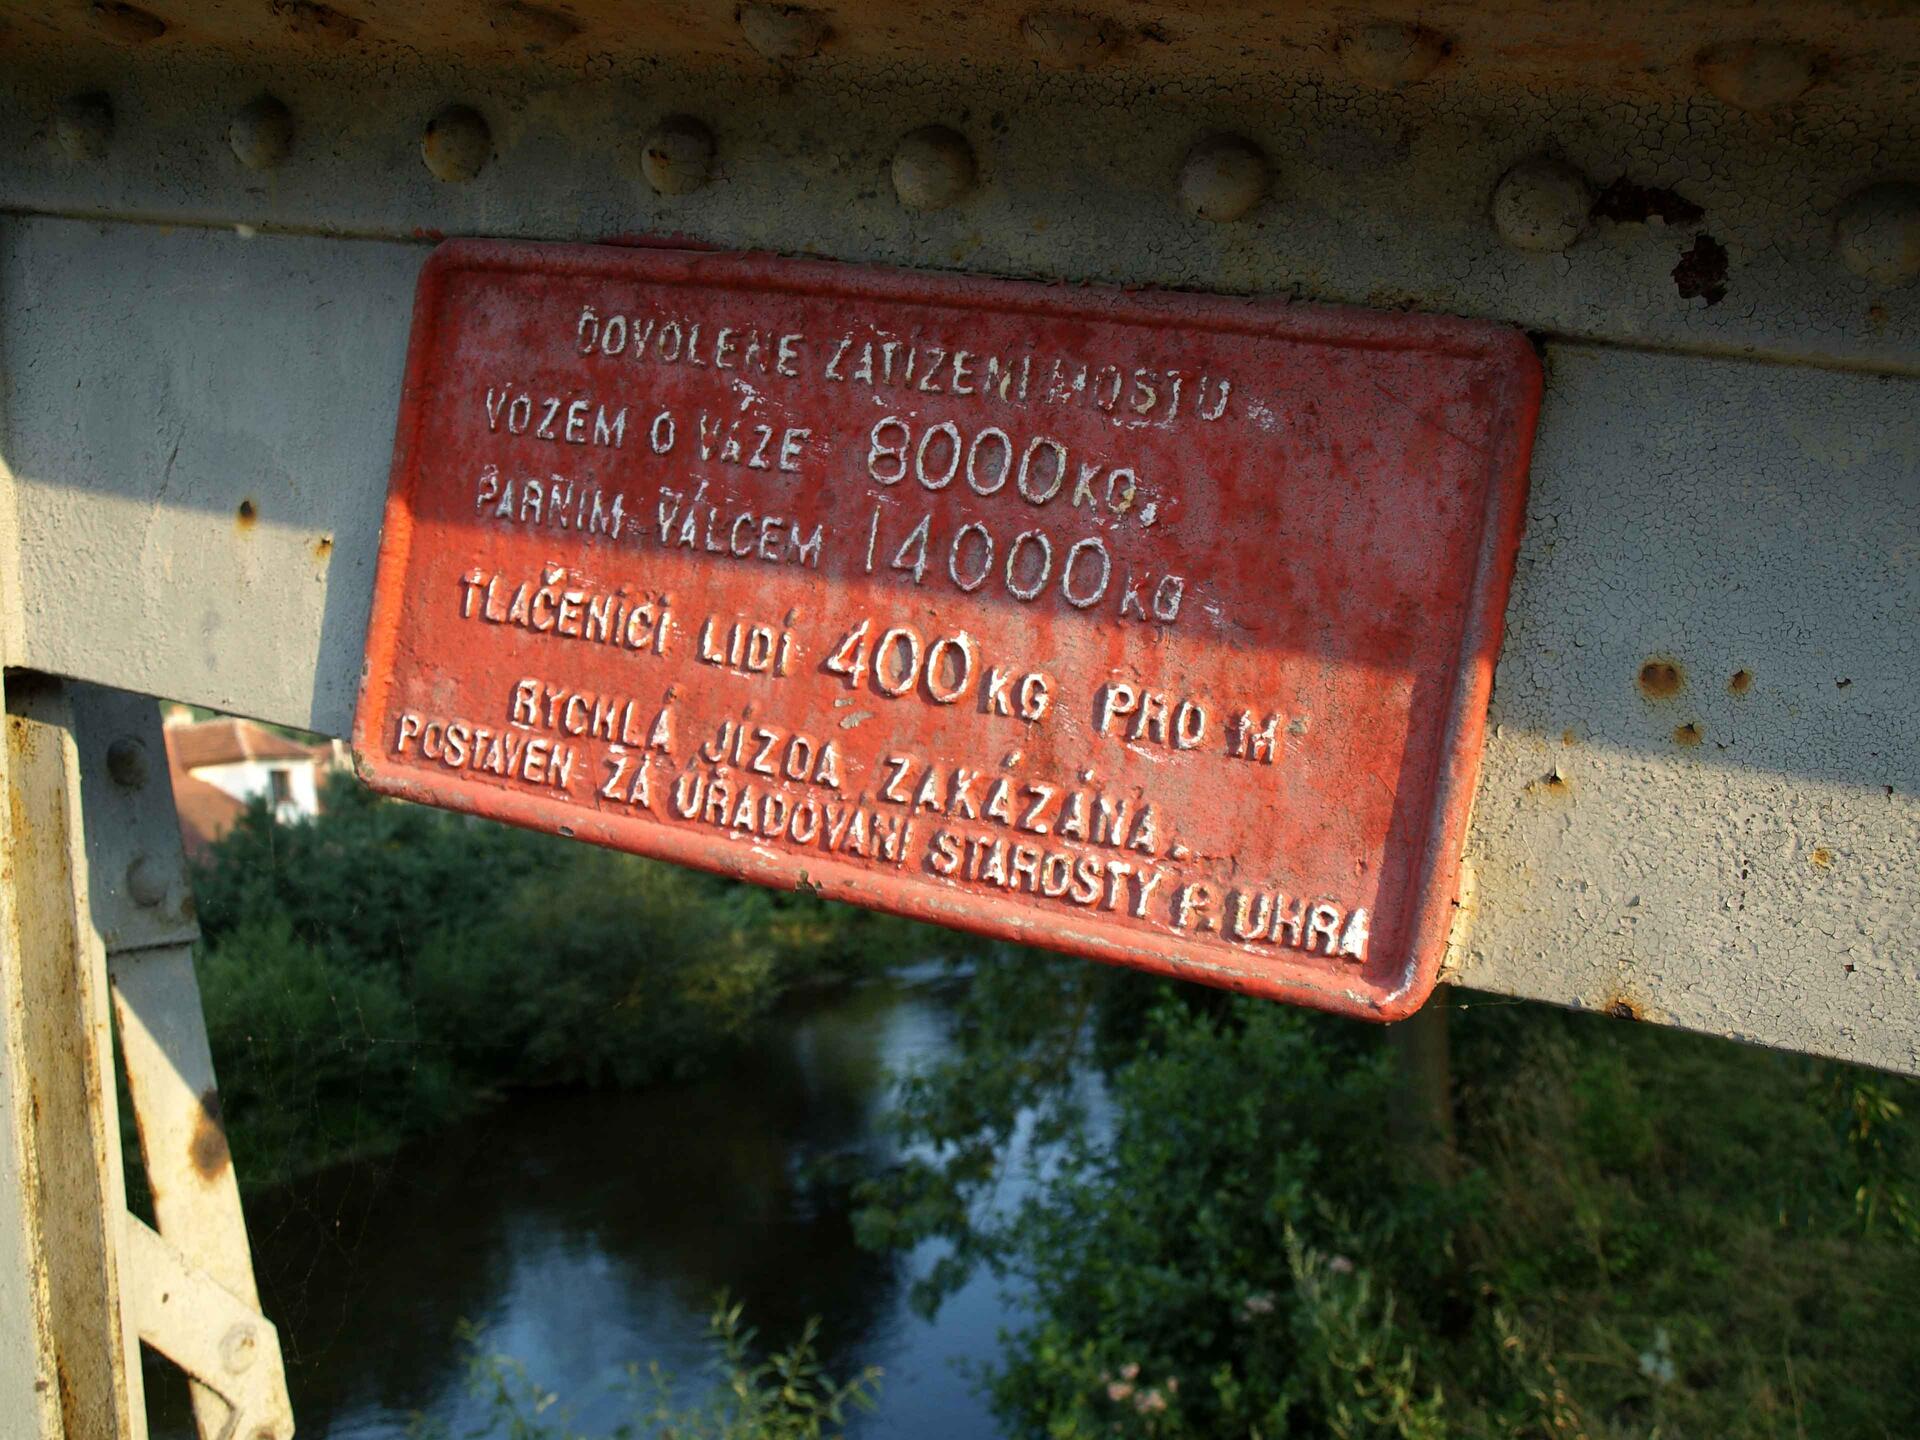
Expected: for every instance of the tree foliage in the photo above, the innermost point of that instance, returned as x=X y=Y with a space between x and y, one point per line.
x=379 y=969
x=1641 y=1232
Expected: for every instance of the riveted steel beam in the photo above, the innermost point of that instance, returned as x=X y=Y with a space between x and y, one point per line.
x=1698 y=799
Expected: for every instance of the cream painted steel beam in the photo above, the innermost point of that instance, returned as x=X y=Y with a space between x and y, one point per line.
x=1700 y=802
x=1735 y=855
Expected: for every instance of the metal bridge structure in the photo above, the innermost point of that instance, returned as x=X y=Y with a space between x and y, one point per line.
x=1696 y=800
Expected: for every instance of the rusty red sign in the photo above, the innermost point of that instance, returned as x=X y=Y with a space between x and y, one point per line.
x=1155 y=628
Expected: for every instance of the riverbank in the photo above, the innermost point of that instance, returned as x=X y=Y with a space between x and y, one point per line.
x=382 y=971
x=589 y=1231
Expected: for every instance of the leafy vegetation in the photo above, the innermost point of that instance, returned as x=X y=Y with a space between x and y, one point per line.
x=1637 y=1232
x=1613 y=1231
x=381 y=969
x=786 y=1396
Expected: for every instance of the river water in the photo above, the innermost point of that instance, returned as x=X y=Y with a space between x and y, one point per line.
x=588 y=1232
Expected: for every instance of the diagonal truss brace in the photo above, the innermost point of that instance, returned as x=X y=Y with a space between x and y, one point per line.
x=98 y=916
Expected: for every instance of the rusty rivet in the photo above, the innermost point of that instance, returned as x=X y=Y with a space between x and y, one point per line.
x=261 y=133
x=128 y=24
x=784 y=32
x=1389 y=55
x=239 y=1347
x=146 y=881
x=1541 y=205
x=1756 y=74
x=1223 y=177
x=456 y=144
x=932 y=168
x=311 y=19
x=127 y=762
x=1070 y=37
x=83 y=128
x=534 y=27
x=1878 y=234
x=678 y=156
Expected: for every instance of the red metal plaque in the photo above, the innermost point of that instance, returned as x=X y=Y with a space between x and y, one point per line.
x=1156 y=628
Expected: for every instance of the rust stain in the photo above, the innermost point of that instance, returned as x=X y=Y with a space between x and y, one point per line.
x=1567 y=737
x=208 y=1148
x=1624 y=1007
x=1554 y=785
x=1628 y=203
x=320 y=22
x=1661 y=677
x=1822 y=857
x=323 y=547
x=128 y=24
x=1702 y=271
x=247 y=515
x=1687 y=734
x=1740 y=682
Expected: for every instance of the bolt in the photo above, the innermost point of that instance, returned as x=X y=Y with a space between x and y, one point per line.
x=128 y=24
x=238 y=1348
x=146 y=881
x=1069 y=37
x=1541 y=204
x=127 y=762
x=783 y=32
x=1223 y=177
x=83 y=128
x=261 y=133
x=1756 y=74
x=932 y=168
x=1878 y=233
x=534 y=27
x=678 y=156
x=456 y=144
x=1389 y=55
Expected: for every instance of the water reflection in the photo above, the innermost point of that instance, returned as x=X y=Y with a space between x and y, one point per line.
x=587 y=1232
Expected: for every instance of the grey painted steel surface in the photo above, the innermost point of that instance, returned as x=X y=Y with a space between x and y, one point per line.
x=74 y=1282
x=1753 y=875
x=1377 y=196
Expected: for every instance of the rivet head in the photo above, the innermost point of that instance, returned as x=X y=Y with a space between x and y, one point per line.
x=146 y=881
x=1070 y=37
x=1757 y=74
x=1878 y=233
x=239 y=1347
x=83 y=128
x=127 y=762
x=677 y=158
x=1223 y=177
x=128 y=24
x=261 y=133
x=533 y=28
x=1389 y=55
x=1542 y=204
x=456 y=144
x=783 y=32
x=932 y=168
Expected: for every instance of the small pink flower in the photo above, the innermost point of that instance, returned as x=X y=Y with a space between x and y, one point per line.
x=1340 y=1265
x=1173 y=1385
x=1130 y=1372
x=1117 y=1392
x=1150 y=1401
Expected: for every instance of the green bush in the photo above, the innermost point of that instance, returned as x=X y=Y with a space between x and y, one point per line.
x=786 y=1396
x=374 y=971
x=317 y=1061
x=606 y=971
x=1638 y=1232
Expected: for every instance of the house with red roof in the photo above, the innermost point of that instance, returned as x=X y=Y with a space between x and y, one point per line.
x=219 y=766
